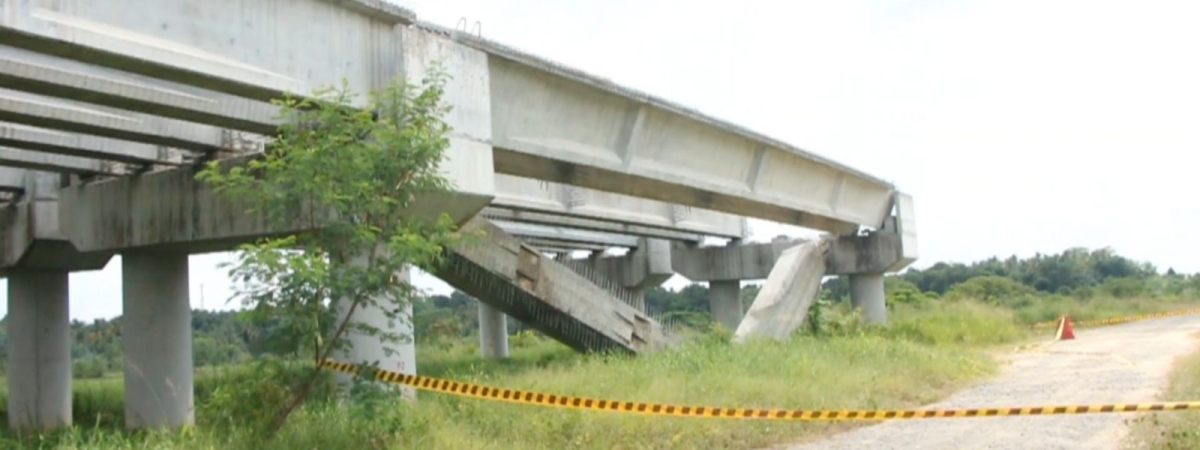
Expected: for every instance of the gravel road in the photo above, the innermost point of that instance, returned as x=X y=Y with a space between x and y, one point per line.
x=1126 y=363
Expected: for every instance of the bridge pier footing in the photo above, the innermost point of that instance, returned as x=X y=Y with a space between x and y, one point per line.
x=725 y=302
x=39 y=350
x=866 y=294
x=493 y=332
x=156 y=332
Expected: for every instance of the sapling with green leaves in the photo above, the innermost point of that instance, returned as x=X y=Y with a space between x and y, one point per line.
x=342 y=182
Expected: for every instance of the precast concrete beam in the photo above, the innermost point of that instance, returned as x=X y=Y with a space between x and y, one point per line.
x=186 y=44
x=494 y=212
x=51 y=113
x=170 y=209
x=557 y=247
x=83 y=146
x=527 y=194
x=32 y=160
x=156 y=334
x=566 y=235
x=558 y=124
x=35 y=73
x=39 y=350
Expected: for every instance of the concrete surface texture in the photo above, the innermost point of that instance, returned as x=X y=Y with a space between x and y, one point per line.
x=39 y=350
x=1127 y=363
x=156 y=334
x=866 y=294
x=782 y=304
x=519 y=281
x=546 y=121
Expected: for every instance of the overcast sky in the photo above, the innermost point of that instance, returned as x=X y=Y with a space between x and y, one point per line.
x=1017 y=126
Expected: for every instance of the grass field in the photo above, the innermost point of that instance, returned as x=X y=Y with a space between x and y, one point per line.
x=1174 y=430
x=926 y=352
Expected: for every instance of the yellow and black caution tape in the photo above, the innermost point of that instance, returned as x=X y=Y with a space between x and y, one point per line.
x=1122 y=319
x=565 y=401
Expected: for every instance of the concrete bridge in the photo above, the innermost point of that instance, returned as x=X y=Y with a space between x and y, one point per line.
x=105 y=111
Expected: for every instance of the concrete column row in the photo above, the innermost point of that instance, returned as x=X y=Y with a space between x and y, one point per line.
x=156 y=334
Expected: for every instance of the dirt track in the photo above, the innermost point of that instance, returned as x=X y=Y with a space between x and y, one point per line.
x=1122 y=363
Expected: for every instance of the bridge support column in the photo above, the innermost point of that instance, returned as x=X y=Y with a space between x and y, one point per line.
x=725 y=302
x=866 y=294
x=493 y=332
x=39 y=350
x=156 y=332
x=368 y=349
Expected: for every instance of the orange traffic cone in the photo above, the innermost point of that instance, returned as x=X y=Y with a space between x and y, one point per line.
x=1064 y=329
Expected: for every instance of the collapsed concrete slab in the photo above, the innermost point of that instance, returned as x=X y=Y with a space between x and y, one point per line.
x=518 y=280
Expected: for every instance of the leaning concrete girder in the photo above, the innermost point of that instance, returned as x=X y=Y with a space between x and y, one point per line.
x=547 y=295
x=631 y=143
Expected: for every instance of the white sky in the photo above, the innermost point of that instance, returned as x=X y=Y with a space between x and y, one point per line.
x=1017 y=126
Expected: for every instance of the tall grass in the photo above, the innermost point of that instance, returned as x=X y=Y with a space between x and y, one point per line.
x=1173 y=430
x=928 y=350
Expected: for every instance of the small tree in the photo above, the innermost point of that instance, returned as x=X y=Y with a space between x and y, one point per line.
x=347 y=179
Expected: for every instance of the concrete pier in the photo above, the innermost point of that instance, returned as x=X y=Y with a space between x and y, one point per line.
x=725 y=302
x=866 y=294
x=156 y=332
x=365 y=348
x=39 y=350
x=493 y=332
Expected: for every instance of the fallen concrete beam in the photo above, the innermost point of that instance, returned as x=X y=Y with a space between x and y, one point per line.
x=546 y=295
x=82 y=145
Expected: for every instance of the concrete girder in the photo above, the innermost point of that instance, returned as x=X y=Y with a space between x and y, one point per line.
x=82 y=145
x=566 y=235
x=107 y=87
x=526 y=194
x=631 y=143
x=58 y=114
x=177 y=46
x=602 y=225
x=32 y=160
x=170 y=209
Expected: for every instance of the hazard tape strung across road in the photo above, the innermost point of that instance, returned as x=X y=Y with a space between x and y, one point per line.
x=564 y=401
x=1124 y=319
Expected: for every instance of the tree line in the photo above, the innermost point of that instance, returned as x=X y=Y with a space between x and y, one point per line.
x=225 y=337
